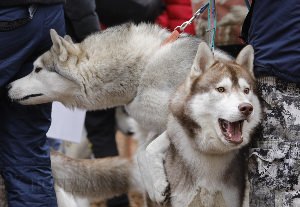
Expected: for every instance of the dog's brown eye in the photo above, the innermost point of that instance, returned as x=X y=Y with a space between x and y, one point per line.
x=38 y=69
x=221 y=89
x=246 y=90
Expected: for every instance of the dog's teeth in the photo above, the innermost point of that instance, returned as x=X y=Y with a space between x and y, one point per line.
x=225 y=125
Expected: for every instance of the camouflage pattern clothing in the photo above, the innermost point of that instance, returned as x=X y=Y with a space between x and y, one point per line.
x=274 y=163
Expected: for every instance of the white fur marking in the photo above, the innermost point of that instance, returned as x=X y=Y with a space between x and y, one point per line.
x=151 y=166
x=243 y=83
x=225 y=82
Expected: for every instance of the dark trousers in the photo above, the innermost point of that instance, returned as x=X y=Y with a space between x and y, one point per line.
x=101 y=129
x=24 y=155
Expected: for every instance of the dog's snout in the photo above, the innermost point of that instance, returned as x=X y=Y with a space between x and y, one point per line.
x=246 y=108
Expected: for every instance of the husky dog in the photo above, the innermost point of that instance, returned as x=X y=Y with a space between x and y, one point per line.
x=213 y=111
x=212 y=116
x=124 y=65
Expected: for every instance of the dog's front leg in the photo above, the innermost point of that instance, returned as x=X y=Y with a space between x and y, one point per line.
x=232 y=197
x=246 y=199
x=151 y=165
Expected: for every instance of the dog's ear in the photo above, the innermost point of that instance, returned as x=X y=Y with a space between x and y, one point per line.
x=63 y=47
x=246 y=58
x=203 y=60
x=55 y=40
x=68 y=39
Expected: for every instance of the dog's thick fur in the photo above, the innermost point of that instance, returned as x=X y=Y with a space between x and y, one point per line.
x=204 y=155
x=124 y=65
x=127 y=65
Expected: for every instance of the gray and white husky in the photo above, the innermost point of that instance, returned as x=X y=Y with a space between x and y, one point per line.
x=204 y=106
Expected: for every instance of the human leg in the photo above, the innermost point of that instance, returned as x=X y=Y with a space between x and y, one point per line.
x=24 y=154
x=101 y=130
x=274 y=164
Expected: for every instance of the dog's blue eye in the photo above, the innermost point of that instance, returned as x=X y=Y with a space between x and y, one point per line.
x=221 y=89
x=38 y=69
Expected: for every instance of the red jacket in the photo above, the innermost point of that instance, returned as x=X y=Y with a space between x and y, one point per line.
x=177 y=12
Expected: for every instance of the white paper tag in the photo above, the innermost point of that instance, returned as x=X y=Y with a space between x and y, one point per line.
x=66 y=124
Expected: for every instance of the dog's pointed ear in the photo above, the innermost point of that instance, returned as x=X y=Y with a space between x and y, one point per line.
x=55 y=40
x=58 y=46
x=68 y=39
x=245 y=58
x=63 y=47
x=203 y=60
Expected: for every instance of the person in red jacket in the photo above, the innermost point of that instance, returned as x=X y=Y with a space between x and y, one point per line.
x=176 y=12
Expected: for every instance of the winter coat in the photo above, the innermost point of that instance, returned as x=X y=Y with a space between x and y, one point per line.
x=176 y=12
x=81 y=18
x=26 y=2
x=274 y=32
x=114 y=12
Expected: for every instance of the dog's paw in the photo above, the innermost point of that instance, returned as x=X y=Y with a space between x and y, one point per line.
x=163 y=193
x=151 y=164
x=153 y=175
x=160 y=183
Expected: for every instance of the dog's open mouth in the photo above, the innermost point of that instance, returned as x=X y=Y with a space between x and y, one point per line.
x=232 y=130
x=27 y=97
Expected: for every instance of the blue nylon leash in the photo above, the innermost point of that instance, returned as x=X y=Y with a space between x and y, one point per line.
x=212 y=24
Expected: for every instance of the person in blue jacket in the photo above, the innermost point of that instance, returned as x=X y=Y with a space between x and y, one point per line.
x=273 y=29
x=24 y=155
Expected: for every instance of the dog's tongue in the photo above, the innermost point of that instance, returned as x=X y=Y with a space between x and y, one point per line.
x=235 y=132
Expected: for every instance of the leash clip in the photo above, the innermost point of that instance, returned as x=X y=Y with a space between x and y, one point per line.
x=182 y=27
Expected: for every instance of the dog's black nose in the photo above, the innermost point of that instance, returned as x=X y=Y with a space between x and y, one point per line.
x=246 y=108
x=8 y=87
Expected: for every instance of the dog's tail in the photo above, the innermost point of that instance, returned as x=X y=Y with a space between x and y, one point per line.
x=100 y=178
